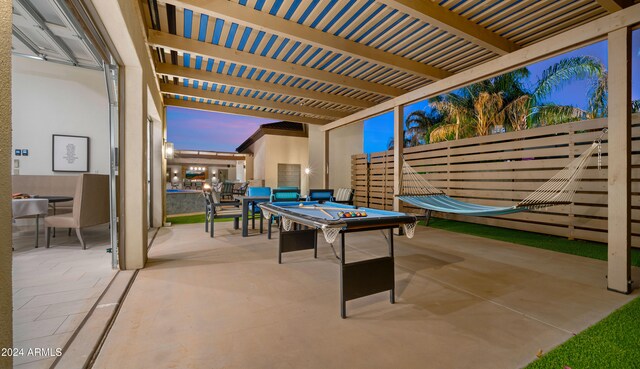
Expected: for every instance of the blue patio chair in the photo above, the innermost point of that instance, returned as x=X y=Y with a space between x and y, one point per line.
x=285 y=194
x=320 y=195
x=281 y=194
x=253 y=207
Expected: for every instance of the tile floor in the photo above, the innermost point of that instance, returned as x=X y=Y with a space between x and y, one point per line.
x=462 y=302
x=53 y=289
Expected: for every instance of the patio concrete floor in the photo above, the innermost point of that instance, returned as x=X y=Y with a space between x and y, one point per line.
x=54 y=289
x=462 y=302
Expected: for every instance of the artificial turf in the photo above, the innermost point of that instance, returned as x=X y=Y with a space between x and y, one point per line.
x=195 y=218
x=614 y=342
x=594 y=250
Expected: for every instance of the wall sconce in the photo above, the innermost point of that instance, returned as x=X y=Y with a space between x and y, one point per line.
x=307 y=171
x=168 y=150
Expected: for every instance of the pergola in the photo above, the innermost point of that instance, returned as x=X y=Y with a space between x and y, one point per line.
x=333 y=63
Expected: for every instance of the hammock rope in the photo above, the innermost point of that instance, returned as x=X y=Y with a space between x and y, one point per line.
x=559 y=190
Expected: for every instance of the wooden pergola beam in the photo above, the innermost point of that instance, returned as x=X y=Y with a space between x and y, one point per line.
x=188 y=104
x=563 y=42
x=208 y=50
x=613 y=6
x=262 y=21
x=233 y=98
x=224 y=79
x=434 y=14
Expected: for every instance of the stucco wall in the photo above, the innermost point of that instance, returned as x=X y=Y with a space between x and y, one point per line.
x=344 y=142
x=316 y=156
x=286 y=150
x=258 y=149
x=6 y=309
x=70 y=101
x=271 y=150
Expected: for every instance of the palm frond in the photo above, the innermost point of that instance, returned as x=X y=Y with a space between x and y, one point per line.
x=551 y=114
x=566 y=70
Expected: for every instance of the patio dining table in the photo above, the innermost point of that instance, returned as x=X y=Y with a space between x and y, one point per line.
x=22 y=208
x=246 y=201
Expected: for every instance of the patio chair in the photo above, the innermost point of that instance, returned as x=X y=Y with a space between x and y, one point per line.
x=281 y=194
x=344 y=196
x=254 y=208
x=241 y=189
x=320 y=195
x=90 y=207
x=215 y=209
x=226 y=192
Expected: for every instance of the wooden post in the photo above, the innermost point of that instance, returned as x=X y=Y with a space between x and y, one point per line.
x=398 y=148
x=619 y=178
x=325 y=163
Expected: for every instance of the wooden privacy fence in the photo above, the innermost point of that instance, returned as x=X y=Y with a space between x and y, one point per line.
x=502 y=169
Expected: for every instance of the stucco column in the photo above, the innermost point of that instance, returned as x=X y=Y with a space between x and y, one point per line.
x=134 y=170
x=6 y=306
x=619 y=181
x=158 y=184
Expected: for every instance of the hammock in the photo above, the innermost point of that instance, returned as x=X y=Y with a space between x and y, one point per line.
x=559 y=190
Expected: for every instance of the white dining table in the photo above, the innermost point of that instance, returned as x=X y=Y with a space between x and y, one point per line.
x=24 y=208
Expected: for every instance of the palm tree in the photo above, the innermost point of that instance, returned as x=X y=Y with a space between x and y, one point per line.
x=419 y=124
x=555 y=78
x=488 y=112
x=458 y=110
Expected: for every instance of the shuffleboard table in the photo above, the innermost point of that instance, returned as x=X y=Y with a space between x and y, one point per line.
x=299 y=226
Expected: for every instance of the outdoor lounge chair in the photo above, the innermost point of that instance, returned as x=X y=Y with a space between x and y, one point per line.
x=90 y=207
x=215 y=209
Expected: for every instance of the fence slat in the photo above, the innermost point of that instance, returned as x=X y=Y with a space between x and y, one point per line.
x=502 y=169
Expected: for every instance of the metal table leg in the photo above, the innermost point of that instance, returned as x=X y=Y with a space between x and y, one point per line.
x=37 y=228
x=245 y=218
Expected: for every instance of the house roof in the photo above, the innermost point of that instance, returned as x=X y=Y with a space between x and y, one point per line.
x=316 y=62
x=278 y=128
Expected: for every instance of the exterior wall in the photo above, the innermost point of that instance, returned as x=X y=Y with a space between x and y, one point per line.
x=316 y=156
x=6 y=308
x=69 y=100
x=240 y=174
x=343 y=143
x=286 y=150
x=258 y=149
x=271 y=150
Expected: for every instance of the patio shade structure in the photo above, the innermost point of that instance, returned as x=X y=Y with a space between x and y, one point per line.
x=334 y=63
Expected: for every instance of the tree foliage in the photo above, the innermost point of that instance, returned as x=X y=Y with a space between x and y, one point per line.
x=505 y=102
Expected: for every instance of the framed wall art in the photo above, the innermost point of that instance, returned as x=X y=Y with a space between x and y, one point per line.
x=70 y=153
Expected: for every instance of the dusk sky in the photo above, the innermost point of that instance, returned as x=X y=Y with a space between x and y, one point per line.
x=200 y=130
x=190 y=129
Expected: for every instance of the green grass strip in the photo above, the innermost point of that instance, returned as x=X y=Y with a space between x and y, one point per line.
x=614 y=342
x=589 y=249
x=195 y=218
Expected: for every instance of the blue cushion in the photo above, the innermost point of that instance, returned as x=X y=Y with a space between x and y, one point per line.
x=321 y=195
x=259 y=191
x=285 y=196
